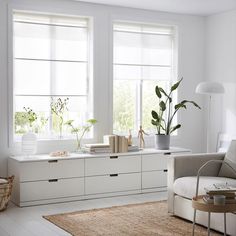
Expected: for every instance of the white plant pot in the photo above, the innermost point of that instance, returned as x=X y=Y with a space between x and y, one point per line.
x=162 y=141
x=29 y=143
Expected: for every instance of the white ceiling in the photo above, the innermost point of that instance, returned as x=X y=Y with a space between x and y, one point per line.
x=193 y=7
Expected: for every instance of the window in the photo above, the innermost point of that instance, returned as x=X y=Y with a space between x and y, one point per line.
x=51 y=62
x=143 y=57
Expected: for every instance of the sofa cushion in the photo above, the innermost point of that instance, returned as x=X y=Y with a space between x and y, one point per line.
x=230 y=158
x=186 y=186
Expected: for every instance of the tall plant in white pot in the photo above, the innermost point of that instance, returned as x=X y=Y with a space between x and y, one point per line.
x=163 y=118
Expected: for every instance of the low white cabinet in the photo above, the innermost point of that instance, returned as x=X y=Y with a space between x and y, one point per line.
x=154 y=171
x=114 y=173
x=112 y=183
x=41 y=179
x=51 y=169
x=154 y=179
x=51 y=189
x=114 y=164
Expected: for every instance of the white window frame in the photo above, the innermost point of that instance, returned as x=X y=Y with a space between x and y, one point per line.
x=174 y=68
x=68 y=141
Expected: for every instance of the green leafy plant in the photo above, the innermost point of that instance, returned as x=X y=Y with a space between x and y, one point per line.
x=80 y=131
x=30 y=116
x=21 y=122
x=28 y=119
x=164 y=126
x=58 y=108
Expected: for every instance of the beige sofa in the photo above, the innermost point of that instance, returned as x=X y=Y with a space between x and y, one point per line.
x=182 y=171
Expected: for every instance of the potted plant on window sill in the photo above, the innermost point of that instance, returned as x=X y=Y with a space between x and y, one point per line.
x=80 y=131
x=58 y=108
x=29 y=139
x=162 y=119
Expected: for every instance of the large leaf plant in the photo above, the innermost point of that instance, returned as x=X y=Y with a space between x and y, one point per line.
x=163 y=118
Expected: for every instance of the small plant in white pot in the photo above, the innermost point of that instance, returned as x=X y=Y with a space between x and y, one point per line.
x=163 y=118
x=29 y=139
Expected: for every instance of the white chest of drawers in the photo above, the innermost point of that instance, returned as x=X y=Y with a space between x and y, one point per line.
x=154 y=171
x=114 y=173
x=41 y=179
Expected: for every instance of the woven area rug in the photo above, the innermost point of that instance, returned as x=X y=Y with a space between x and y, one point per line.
x=130 y=220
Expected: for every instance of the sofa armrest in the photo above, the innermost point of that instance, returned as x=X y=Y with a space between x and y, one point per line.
x=188 y=165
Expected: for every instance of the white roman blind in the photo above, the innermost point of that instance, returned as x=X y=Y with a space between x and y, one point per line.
x=51 y=61
x=143 y=57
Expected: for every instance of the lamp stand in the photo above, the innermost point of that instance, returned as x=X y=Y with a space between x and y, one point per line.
x=209 y=125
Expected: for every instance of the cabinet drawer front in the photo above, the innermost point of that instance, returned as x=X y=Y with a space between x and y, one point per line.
x=154 y=162
x=42 y=190
x=106 y=184
x=53 y=169
x=109 y=165
x=154 y=179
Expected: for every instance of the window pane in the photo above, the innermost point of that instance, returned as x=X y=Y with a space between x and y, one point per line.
x=40 y=105
x=143 y=55
x=124 y=99
x=71 y=45
x=50 y=42
x=35 y=77
x=127 y=48
x=31 y=77
x=134 y=48
x=157 y=50
x=31 y=41
x=50 y=62
x=141 y=72
x=70 y=78
x=77 y=111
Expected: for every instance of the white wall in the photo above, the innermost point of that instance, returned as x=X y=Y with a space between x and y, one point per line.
x=221 y=67
x=191 y=66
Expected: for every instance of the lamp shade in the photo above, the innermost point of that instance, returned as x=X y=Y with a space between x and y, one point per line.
x=210 y=88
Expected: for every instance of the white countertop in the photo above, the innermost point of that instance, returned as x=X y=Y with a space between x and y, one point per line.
x=46 y=157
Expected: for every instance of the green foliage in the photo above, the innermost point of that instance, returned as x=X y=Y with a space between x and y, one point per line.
x=30 y=115
x=21 y=123
x=164 y=126
x=80 y=131
x=28 y=119
x=124 y=106
x=158 y=93
x=58 y=109
x=25 y=120
x=162 y=106
x=149 y=102
x=59 y=106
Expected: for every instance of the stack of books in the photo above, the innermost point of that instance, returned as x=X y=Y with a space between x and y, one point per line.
x=97 y=148
x=220 y=189
x=119 y=143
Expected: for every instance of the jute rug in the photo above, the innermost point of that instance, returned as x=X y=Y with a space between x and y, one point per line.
x=145 y=219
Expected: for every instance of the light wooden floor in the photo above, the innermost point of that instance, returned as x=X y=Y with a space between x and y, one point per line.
x=27 y=221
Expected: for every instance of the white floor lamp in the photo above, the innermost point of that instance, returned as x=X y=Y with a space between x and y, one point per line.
x=209 y=88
